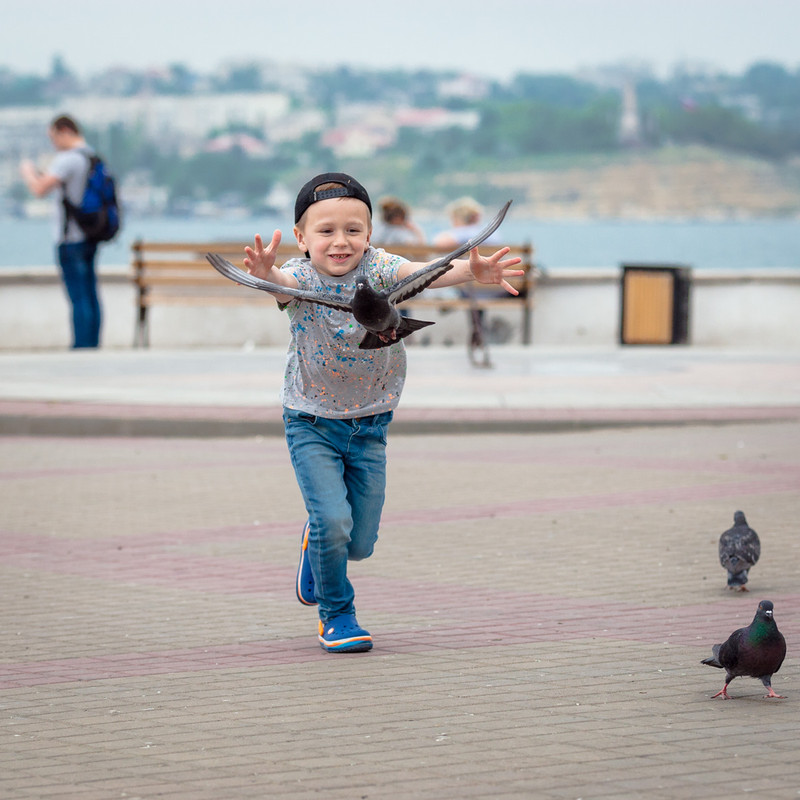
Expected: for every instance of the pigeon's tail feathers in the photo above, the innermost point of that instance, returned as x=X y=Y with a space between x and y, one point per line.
x=713 y=661
x=737 y=578
x=372 y=342
x=407 y=325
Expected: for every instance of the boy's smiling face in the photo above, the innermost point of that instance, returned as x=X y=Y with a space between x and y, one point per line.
x=335 y=234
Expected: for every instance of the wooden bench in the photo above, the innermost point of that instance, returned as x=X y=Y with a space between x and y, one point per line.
x=178 y=273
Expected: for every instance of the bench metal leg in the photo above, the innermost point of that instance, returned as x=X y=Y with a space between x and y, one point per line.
x=477 y=339
x=141 y=335
x=526 y=324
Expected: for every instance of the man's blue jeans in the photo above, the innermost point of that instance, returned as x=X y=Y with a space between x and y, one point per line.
x=77 y=267
x=340 y=466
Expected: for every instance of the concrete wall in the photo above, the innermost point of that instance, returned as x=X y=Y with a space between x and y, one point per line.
x=726 y=308
x=759 y=310
x=572 y=307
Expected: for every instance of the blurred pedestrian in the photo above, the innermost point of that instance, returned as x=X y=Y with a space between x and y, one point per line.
x=67 y=173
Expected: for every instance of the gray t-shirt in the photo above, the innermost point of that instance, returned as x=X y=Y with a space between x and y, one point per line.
x=71 y=167
x=326 y=373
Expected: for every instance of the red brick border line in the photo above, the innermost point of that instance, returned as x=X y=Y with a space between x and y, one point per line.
x=521 y=619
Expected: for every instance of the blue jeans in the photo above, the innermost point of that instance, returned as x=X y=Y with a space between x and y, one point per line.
x=340 y=466
x=77 y=267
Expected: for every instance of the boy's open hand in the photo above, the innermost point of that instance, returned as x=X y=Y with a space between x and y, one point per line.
x=260 y=260
x=495 y=269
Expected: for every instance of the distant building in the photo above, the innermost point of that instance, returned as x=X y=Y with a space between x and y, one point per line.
x=187 y=115
x=357 y=141
x=630 y=129
x=363 y=131
x=226 y=142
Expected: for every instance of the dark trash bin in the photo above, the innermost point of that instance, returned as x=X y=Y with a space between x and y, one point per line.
x=655 y=304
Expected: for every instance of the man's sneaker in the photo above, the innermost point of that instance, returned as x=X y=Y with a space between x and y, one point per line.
x=305 y=578
x=343 y=634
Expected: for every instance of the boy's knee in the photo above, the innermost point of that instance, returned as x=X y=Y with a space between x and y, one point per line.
x=359 y=555
x=358 y=551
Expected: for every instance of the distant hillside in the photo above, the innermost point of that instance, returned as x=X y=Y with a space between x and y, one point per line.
x=669 y=183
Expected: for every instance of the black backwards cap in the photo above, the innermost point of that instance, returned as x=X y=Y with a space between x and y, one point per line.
x=349 y=187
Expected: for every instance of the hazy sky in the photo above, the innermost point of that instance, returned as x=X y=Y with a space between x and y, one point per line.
x=488 y=37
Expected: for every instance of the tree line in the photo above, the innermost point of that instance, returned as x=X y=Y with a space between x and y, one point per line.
x=756 y=113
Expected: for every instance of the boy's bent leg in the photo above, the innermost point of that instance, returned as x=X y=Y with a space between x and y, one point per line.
x=365 y=478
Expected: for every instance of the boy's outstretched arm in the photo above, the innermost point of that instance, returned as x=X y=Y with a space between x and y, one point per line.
x=484 y=269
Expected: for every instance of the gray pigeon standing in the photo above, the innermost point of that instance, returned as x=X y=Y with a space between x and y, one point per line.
x=739 y=549
x=374 y=310
x=756 y=651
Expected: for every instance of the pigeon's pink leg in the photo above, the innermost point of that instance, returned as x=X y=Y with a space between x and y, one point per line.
x=723 y=694
x=773 y=694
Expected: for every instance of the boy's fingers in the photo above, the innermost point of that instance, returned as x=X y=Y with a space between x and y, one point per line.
x=259 y=248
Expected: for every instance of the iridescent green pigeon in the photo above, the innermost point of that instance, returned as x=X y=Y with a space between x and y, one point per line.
x=756 y=651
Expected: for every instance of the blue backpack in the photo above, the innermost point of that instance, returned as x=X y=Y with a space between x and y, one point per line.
x=98 y=213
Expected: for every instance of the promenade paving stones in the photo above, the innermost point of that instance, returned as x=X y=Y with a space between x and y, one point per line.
x=540 y=603
x=236 y=392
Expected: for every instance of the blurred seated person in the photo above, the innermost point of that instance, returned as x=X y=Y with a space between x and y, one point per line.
x=465 y=217
x=396 y=226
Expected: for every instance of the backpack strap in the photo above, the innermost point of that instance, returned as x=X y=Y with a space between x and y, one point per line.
x=69 y=207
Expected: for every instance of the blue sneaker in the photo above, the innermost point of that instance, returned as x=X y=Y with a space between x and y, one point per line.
x=343 y=634
x=305 y=579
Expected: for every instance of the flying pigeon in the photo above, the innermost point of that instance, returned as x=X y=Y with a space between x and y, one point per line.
x=756 y=651
x=739 y=549
x=375 y=310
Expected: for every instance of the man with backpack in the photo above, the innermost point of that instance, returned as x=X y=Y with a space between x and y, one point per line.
x=74 y=172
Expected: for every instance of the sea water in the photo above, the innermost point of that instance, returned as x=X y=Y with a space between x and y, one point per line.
x=746 y=244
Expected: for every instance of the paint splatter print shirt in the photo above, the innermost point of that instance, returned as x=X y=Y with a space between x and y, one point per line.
x=326 y=374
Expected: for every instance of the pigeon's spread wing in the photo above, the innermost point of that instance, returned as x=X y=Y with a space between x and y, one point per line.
x=240 y=276
x=424 y=277
x=419 y=280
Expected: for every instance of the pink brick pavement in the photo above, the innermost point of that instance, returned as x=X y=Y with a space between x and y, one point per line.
x=539 y=604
